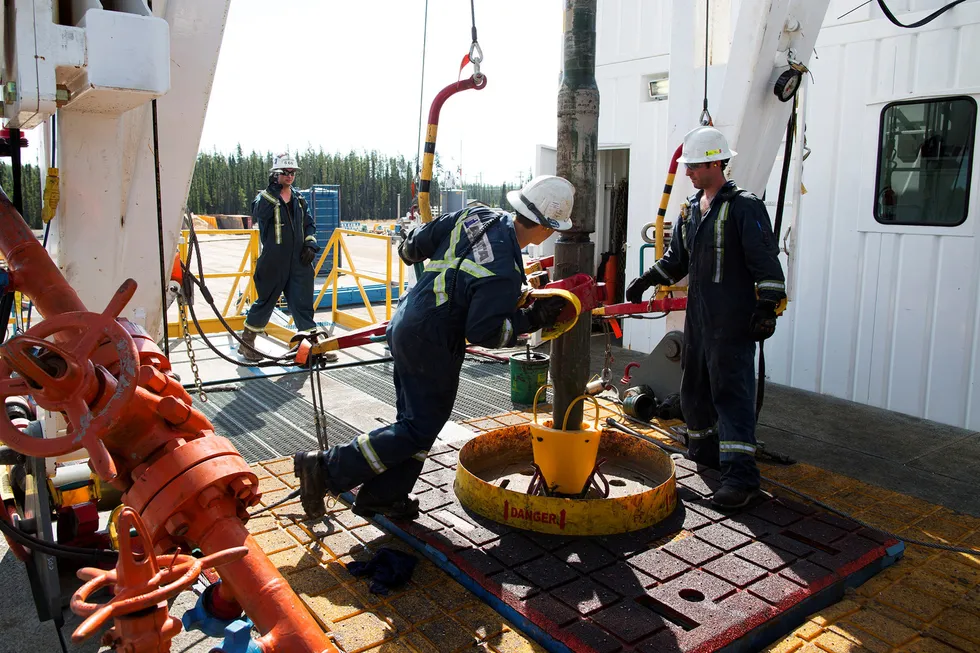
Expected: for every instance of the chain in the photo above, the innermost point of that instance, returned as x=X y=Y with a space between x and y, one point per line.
x=190 y=349
x=606 y=375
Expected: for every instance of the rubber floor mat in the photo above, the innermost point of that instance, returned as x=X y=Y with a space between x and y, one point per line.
x=699 y=581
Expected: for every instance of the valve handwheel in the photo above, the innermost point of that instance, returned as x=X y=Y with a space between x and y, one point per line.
x=62 y=378
x=138 y=581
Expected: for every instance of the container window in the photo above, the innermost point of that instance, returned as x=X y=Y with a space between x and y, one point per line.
x=925 y=161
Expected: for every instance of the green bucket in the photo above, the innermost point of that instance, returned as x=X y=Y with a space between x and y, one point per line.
x=527 y=375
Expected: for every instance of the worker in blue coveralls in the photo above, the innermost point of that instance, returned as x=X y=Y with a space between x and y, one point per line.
x=725 y=244
x=469 y=291
x=285 y=266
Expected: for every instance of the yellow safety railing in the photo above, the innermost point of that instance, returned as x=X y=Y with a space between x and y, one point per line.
x=243 y=291
x=333 y=250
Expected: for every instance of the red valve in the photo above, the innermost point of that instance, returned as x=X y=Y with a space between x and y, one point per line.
x=137 y=579
x=62 y=378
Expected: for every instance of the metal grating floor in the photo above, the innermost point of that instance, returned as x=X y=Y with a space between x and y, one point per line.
x=265 y=420
x=484 y=388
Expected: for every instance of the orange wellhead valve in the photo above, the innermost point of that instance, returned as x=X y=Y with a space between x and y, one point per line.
x=63 y=379
x=189 y=486
x=142 y=584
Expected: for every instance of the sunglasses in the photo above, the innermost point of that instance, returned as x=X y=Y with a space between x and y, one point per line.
x=696 y=166
x=287 y=172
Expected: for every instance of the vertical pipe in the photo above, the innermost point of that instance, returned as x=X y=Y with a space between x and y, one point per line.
x=578 y=139
x=15 y=170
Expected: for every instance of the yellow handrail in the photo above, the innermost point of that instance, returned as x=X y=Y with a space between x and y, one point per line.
x=333 y=249
x=233 y=311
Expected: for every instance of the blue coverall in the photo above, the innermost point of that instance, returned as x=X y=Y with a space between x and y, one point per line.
x=284 y=229
x=459 y=297
x=730 y=257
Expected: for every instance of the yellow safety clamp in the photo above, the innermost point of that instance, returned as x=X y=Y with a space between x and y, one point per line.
x=566 y=458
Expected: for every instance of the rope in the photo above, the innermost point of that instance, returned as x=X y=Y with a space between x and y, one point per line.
x=705 y=115
x=159 y=198
x=473 y=19
x=847 y=13
x=418 y=138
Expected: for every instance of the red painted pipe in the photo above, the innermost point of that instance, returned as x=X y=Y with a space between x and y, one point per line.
x=428 y=158
x=32 y=271
x=665 y=305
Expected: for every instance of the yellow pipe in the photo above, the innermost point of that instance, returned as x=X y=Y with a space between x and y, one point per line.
x=425 y=209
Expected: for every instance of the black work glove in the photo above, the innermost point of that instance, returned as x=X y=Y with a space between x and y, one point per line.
x=544 y=312
x=762 y=324
x=639 y=285
x=403 y=250
x=306 y=256
x=274 y=186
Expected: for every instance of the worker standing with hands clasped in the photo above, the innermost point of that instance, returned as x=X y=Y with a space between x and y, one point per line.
x=724 y=242
x=469 y=291
x=285 y=266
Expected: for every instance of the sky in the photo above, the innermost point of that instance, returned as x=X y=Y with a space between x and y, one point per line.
x=345 y=75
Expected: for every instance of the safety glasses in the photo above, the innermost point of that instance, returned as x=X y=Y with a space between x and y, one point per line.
x=291 y=173
x=696 y=166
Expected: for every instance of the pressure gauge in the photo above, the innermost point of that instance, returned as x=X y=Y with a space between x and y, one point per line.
x=787 y=84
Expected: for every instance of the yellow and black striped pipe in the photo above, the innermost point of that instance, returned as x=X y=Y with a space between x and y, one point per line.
x=664 y=201
x=428 y=158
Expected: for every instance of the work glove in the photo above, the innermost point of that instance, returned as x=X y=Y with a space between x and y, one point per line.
x=544 y=312
x=404 y=251
x=639 y=285
x=306 y=256
x=762 y=324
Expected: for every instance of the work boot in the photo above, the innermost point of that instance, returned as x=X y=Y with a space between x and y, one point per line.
x=729 y=497
x=247 y=348
x=312 y=484
x=404 y=509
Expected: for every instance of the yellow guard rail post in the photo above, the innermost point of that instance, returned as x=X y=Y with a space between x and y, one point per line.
x=242 y=291
x=243 y=284
x=334 y=247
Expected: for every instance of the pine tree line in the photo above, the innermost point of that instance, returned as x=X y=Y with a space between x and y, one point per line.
x=369 y=182
x=226 y=184
x=30 y=189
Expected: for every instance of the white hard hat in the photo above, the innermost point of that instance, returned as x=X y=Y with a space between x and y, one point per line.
x=284 y=162
x=547 y=200
x=703 y=144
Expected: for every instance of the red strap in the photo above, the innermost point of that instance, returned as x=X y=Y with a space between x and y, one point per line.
x=463 y=63
x=615 y=327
